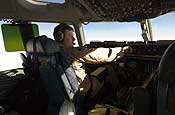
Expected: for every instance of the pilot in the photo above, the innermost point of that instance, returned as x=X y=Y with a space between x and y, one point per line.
x=64 y=35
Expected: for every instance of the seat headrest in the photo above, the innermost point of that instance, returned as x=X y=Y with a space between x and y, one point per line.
x=42 y=44
x=167 y=64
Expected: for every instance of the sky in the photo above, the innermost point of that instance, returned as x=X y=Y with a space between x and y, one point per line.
x=163 y=27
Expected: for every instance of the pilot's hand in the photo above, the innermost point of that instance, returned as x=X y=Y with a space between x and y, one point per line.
x=127 y=49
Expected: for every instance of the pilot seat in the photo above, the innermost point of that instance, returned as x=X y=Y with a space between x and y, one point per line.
x=55 y=72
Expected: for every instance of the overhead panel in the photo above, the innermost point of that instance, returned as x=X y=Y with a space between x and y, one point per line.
x=7 y=6
x=85 y=10
x=129 y=10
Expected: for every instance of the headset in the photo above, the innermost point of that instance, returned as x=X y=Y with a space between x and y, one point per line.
x=58 y=33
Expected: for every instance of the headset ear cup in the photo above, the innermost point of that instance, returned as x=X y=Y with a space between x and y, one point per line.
x=59 y=36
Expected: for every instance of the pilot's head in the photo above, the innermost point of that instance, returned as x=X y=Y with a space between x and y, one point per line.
x=64 y=34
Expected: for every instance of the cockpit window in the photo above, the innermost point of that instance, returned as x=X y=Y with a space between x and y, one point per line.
x=51 y=1
x=112 y=31
x=163 y=27
x=8 y=60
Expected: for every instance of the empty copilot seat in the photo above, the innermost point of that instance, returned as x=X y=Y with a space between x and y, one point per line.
x=164 y=89
x=165 y=94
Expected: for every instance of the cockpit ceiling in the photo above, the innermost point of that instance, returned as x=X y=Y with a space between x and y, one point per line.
x=85 y=10
x=129 y=10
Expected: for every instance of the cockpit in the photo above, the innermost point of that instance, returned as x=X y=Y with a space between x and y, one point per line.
x=126 y=70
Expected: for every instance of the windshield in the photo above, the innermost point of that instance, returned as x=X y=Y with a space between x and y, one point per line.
x=113 y=31
x=162 y=28
x=8 y=60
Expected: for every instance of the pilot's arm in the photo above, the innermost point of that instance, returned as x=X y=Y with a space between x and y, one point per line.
x=100 y=55
x=94 y=56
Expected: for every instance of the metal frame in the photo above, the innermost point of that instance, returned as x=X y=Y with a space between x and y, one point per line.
x=80 y=34
x=146 y=30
